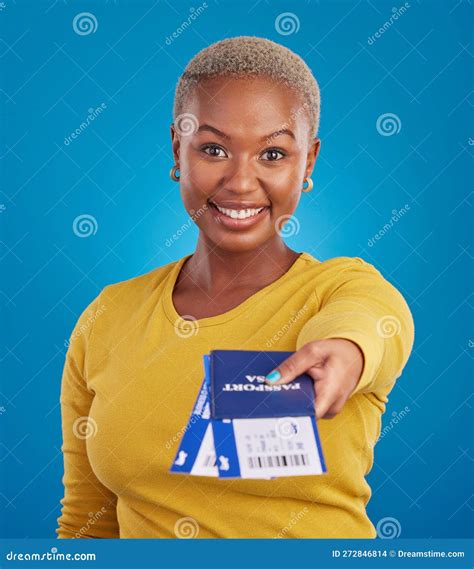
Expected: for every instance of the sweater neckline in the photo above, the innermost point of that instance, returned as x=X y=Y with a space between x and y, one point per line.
x=183 y=324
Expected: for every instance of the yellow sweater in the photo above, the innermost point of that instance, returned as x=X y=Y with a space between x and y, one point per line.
x=131 y=376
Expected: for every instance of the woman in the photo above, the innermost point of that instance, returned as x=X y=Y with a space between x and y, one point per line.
x=244 y=143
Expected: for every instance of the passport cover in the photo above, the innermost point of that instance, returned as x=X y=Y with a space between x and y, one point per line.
x=239 y=390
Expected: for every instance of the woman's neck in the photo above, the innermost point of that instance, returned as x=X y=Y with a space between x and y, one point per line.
x=212 y=269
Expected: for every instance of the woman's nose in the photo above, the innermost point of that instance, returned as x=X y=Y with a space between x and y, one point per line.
x=241 y=176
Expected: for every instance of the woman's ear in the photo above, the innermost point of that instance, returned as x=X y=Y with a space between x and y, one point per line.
x=312 y=156
x=175 y=142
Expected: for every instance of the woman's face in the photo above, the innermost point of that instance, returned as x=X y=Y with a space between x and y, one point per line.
x=243 y=148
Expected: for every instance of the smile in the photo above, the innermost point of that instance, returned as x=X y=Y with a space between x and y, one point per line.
x=239 y=213
x=238 y=217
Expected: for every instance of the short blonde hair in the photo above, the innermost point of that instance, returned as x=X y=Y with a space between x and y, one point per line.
x=249 y=56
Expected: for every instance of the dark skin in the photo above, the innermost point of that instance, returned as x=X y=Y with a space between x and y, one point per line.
x=253 y=146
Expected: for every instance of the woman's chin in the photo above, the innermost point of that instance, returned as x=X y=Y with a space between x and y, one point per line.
x=237 y=243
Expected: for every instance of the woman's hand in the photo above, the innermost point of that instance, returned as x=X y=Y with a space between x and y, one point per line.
x=335 y=365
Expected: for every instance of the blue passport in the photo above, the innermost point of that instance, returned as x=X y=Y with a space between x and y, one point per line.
x=239 y=390
x=240 y=427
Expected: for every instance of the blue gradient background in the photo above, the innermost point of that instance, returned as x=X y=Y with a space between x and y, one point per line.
x=117 y=171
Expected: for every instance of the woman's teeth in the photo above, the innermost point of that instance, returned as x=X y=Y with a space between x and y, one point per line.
x=239 y=213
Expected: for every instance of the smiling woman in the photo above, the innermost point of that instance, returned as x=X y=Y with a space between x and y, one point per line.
x=252 y=109
x=245 y=144
x=207 y=162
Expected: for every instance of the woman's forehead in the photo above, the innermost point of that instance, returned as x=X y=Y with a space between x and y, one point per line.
x=240 y=103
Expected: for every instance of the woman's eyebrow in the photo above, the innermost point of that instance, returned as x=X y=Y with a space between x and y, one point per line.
x=279 y=132
x=213 y=129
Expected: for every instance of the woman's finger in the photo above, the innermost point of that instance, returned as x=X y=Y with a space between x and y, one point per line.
x=329 y=397
x=334 y=409
x=325 y=398
x=311 y=355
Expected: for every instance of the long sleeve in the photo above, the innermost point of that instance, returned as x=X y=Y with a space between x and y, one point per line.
x=356 y=303
x=89 y=508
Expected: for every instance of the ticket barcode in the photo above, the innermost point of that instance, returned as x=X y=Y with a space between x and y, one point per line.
x=278 y=460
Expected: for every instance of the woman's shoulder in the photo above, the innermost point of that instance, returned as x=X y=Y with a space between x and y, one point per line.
x=337 y=264
x=330 y=274
x=135 y=289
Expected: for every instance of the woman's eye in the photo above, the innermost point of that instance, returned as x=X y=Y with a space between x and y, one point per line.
x=273 y=154
x=214 y=150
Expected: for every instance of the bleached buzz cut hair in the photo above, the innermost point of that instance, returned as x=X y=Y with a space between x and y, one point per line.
x=249 y=56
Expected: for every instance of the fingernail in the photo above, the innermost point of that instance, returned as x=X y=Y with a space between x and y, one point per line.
x=273 y=376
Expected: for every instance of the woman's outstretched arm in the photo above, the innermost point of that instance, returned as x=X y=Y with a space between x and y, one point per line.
x=358 y=304
x=358 y=341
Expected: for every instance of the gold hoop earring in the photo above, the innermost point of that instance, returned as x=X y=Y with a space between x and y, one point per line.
x=309 y=185
x=173 y=175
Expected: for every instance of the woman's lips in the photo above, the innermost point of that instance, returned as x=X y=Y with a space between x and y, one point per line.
x=233 y=223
